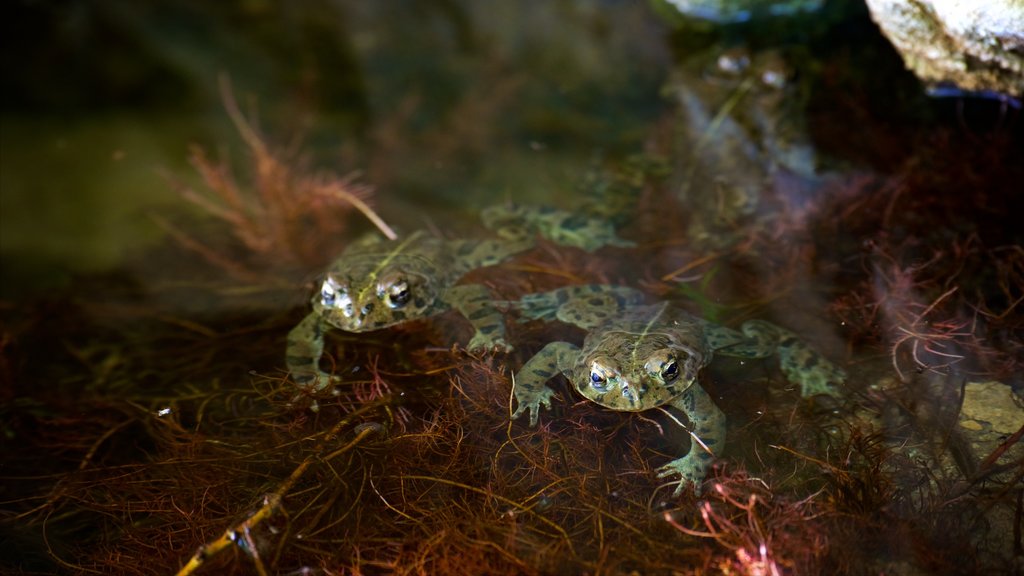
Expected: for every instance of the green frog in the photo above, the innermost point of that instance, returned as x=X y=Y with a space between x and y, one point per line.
x=378 y=283
x=740 y=125
x=639 y=356
x=608 y=199
x=562 y=227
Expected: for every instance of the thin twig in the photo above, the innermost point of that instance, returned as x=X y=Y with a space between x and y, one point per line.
x=272 y=502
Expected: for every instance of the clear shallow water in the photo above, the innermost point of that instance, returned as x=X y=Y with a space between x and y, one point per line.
x=898 y=258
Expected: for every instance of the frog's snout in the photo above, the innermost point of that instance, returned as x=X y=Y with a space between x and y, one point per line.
x=356 y=319
x=633 y=393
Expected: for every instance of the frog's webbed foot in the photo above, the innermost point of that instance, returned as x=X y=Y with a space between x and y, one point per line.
x=314 y=382
x=474 y=301
x=530 y=402
x=708 y=434
x=529 y=383
x=481 y=342
x=311 y=386
x=691 y=470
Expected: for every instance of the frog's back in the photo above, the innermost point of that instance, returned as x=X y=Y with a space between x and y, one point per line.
x=638 y=327
x=661 y=317
x=442 y=260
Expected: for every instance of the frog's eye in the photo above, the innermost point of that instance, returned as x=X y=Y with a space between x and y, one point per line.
x=334 y=295
x=330 y=291
x=327 y=295
x=670 y=372
x=733 y=63
x=774 y=79
x=398 y=294
x=598 y=380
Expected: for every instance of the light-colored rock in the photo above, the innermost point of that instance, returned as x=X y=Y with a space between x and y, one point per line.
x=977 y=45
x=972 y=425
x=992 y=402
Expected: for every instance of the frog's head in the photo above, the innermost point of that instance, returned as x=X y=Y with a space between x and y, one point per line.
x=360 y=300
x=768 y=70
x=639 y=375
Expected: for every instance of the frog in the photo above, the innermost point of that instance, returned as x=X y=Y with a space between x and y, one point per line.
x=609 y=193
x=378 y=283
x=563 y=227
x=740 y=131
x=638 y=356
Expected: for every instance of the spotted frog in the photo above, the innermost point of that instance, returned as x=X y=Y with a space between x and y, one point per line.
x=639 y=356
x=740 y=125
x=562 y=227
x=378 y=283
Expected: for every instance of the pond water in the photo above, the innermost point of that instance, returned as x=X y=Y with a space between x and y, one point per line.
x=179 y=180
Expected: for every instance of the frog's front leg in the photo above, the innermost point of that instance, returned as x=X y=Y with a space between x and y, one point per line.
x=708 y=423
x=475 y=302
x=529 y=386
x=305 y=347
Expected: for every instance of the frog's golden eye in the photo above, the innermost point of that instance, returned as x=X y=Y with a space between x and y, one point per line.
x=398 y=294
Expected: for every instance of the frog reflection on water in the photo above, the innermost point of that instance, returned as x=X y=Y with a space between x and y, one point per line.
x=379 y=283
x=640 y=356
x=740 y=124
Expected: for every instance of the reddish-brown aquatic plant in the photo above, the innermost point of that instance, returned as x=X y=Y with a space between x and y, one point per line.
x=284 y=215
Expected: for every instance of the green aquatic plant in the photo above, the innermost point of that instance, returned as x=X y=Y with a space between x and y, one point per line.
x=699 y=293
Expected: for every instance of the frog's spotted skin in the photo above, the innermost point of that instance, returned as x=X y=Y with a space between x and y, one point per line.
x=640 y=356
x=376 y=284
x=740 y=124
x=559 y=226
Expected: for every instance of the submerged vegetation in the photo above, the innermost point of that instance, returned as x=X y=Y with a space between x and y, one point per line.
x=284 y=214
x=152 y=426
x=414 y=467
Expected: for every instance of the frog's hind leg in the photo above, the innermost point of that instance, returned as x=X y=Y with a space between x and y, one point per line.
x=585 y=306
x=472 y=254
x=586 y=231
x=800 y=363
